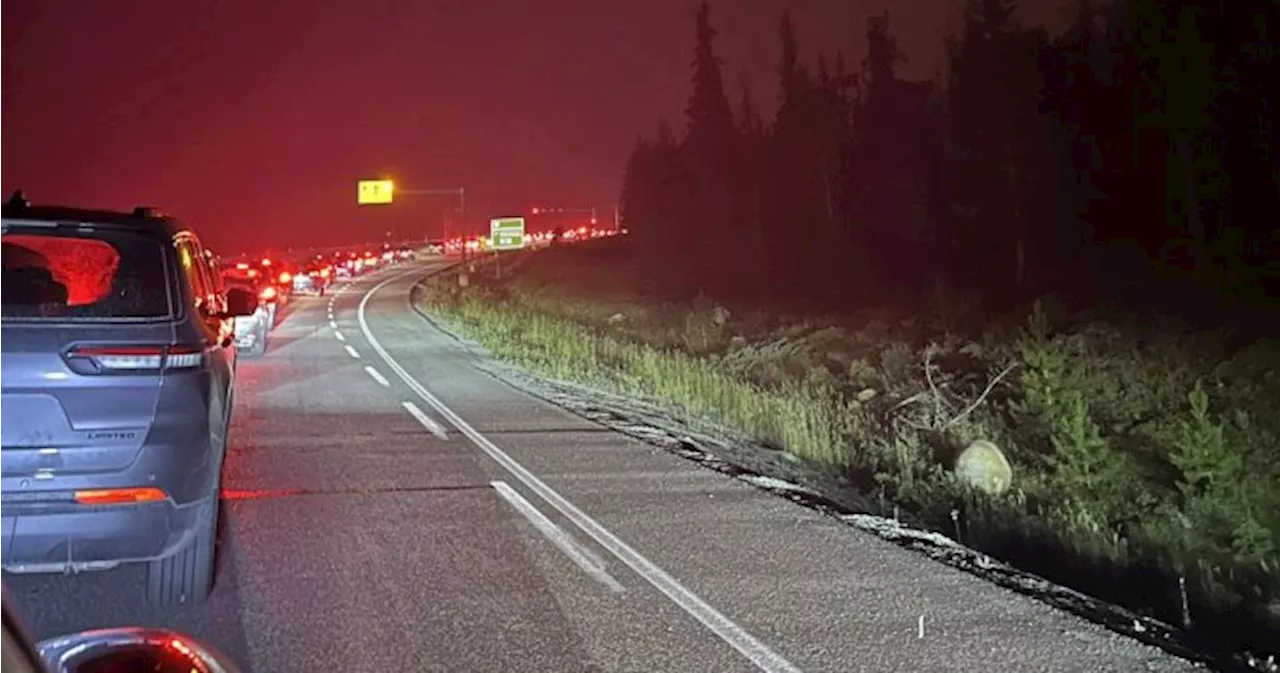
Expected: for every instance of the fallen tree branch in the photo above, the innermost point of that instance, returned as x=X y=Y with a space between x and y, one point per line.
x=990 y=386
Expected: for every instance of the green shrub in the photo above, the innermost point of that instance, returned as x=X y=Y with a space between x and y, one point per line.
x=1160 y=456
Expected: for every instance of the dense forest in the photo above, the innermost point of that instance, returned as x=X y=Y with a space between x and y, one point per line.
x=1134 y=157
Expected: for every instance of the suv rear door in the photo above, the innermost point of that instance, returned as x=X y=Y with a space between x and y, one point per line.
x=88 y=314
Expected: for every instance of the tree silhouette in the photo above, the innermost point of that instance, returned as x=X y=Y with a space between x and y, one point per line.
x=1034 y=164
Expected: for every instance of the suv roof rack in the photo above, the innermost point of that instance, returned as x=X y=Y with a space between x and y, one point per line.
x=148 y=212
x=18 y=200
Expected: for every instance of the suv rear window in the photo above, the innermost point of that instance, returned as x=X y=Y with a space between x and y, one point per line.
x=85 y=274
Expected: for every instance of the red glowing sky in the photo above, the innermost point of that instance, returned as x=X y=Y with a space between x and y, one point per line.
x=253 y=120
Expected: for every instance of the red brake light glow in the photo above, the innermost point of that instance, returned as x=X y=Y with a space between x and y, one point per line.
x=268 y=293
x=285 y=276
x=119 y=496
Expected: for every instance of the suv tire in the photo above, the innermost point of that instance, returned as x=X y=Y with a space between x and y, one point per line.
x=186 y=577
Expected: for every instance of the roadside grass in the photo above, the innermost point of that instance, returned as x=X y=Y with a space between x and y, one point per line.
x=1145 y=467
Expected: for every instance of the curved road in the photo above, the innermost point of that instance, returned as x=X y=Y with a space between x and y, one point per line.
x=390 y=507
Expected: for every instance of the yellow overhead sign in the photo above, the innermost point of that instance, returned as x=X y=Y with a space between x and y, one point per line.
x=375 y=191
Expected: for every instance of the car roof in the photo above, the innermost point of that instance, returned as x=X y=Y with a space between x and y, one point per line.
x=141 y=220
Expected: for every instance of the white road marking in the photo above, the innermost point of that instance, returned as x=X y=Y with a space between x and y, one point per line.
x=377 y=376
x=726 y=629
x=585 y=558
x=427 y=422
x=333 y=324
x=339 y=335
x=353 y=352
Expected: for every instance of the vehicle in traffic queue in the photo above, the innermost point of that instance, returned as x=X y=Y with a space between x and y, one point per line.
x=252 y=331
x=315 y=280
x=116 y=388
x=263 y=282
x=281 y=275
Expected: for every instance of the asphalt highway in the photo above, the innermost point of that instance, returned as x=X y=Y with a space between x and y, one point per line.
x=390 y=507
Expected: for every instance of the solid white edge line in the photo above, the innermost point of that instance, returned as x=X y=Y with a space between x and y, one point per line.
x=352 y=352
x=735 y=636
x=377 y=376
x=427 y=422
x=583 y=557
x=339 y=335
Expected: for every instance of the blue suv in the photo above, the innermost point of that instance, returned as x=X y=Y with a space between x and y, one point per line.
x=117 y=366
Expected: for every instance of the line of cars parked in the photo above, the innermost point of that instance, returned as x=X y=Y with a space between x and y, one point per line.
x=120 y=338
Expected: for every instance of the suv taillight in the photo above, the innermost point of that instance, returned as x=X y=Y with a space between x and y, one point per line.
x=138 y=358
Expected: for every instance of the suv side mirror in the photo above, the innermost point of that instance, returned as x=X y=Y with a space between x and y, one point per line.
x=241 y=302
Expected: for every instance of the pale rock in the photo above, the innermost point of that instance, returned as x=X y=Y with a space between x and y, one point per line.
x=984 y=466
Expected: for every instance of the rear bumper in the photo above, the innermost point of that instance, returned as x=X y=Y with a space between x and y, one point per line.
x=246 y=334
x=70 y=538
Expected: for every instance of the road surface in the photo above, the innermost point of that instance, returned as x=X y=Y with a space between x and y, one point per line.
x=390 y=507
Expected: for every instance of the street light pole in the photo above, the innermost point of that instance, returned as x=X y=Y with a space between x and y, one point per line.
x=460 y=192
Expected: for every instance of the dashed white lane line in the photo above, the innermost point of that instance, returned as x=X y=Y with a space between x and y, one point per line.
x=377 y=376
x=427 y=422
x=585 y=558
x=339 y=335
x=333 y=324
x=353 y=352
x=750 y=647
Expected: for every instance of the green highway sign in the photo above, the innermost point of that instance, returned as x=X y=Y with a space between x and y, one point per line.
x=506 y=233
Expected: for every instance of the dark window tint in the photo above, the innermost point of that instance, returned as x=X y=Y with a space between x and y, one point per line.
x=85 y=274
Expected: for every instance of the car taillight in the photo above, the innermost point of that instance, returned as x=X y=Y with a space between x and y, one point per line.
x=324 y=273
x=268 y=294
x=138 y=358
x=119 y=496
x=285 y=277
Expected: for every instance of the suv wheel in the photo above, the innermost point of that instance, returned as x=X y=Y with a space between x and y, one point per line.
x=185 y=578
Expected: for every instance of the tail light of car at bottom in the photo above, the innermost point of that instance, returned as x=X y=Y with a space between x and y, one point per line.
x=133 y=359
x=119 y=496
x=268 y=294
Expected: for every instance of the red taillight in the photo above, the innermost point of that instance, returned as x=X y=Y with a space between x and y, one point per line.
x=139 y=358
x=119 y=496
x=268 y=294
x=266 y=261
x=285 y=276
x=324 y=273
